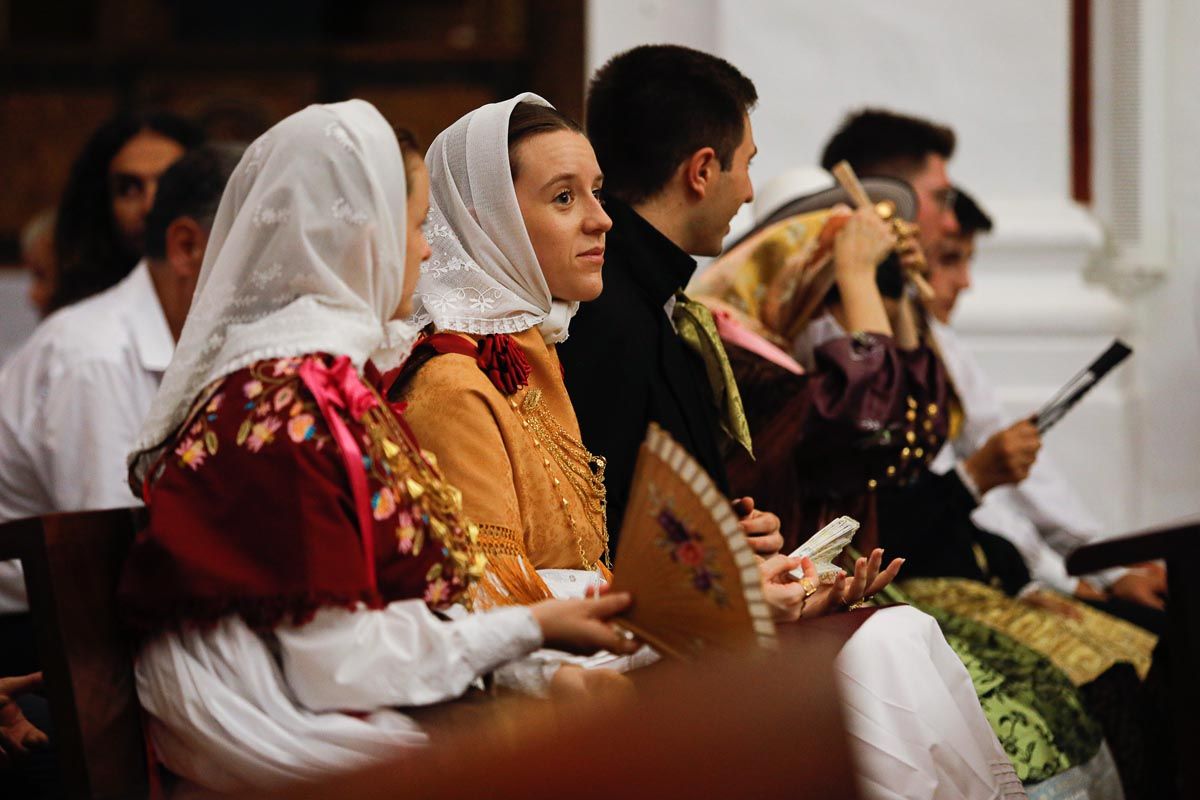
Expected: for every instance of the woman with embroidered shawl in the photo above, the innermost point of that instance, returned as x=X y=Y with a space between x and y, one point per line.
x=300 y=542
x=518 y=239
x=851 y=414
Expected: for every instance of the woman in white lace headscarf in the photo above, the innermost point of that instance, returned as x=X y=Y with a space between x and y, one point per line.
x=298 y=535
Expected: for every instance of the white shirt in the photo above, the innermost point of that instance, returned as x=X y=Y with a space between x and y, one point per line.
x=1042 y=516
x=72 y=401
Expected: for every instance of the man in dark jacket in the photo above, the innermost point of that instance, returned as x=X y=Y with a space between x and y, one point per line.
x=671 y=129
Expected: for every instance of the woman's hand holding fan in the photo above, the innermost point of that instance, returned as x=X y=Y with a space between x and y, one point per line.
x=583 y=626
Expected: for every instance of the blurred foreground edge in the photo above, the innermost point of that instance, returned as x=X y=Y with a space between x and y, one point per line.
x=761 y=726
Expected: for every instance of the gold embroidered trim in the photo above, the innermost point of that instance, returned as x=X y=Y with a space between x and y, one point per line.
x=1082 y=648
x=498 y=540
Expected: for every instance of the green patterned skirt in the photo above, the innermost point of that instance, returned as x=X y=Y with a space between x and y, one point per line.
x=1036 y=712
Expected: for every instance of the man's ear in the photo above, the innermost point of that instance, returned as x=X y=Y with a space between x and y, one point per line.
x=186 y=241
x=700 y=170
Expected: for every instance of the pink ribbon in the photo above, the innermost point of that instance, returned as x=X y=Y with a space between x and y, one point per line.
x=735 y=332
x=339 y=387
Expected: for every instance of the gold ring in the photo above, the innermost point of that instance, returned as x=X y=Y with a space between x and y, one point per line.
x=806 y=585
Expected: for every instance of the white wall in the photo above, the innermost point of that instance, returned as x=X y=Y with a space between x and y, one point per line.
x=1168 y=329
x=999 y=74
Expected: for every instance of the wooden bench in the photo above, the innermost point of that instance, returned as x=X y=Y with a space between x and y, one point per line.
x=72 y=563
x=725 y=728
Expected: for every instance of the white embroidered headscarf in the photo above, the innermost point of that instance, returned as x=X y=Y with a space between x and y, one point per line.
x=483 y=276
x=306 y=255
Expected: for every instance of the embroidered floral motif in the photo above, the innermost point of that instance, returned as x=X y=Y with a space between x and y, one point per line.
x=262 y=433
x=336 y=132
x=272 y=403
x=201 y=441
x=261 y=277
x=286 y=367
x=264 y=216
x=283 y=397
x=437 y=592
x=191 y=453
x=464 y=298
x=688 y=550
x=342 y=210
x=434 y=266
x=256 y=153
x=438 y=230
x=301 y=428
x=383 y=504
x=403 y=490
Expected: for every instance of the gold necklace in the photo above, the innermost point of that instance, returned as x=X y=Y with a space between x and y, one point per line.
x=583 y=470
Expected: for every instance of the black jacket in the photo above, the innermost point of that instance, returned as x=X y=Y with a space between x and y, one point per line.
x=625 y=367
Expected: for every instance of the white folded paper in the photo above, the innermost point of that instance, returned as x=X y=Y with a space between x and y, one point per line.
x=825 y=545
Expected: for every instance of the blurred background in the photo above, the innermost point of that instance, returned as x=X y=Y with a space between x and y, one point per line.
x=1077 y=123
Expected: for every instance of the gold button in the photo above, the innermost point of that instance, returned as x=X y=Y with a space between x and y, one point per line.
x=891 y=472
x=871 y=484
x=933 y=409
x=919 y=452
x=906 y=453
x=911 y=416
x=928 y=425
x=912 y=402
x=910 y=437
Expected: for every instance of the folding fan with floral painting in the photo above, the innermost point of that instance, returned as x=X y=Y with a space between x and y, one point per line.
x=694 y=579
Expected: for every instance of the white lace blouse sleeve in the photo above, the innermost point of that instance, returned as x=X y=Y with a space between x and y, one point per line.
x=401 y=655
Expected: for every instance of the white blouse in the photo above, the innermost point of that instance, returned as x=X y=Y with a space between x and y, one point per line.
x=232 y=710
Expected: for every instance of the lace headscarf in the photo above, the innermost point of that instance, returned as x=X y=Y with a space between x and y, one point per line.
x=483 y=276
x=306 y=255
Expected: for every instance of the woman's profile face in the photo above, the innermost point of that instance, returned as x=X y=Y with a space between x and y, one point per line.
x=558 y=185
x=416 y=246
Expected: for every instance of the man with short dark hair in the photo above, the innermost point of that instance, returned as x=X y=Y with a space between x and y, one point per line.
x=673 y=182
x=672 y=132
x=880 y=143
x=73 y=398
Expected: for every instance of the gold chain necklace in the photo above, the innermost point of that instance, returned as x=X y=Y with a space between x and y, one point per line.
x=583 y=470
